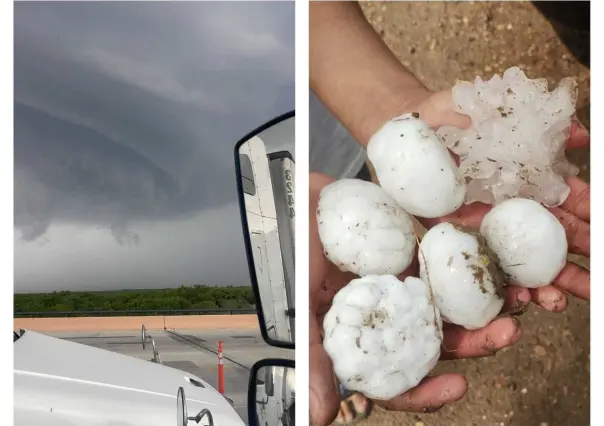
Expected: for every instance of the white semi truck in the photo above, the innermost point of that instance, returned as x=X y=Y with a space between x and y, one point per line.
x=62 y=383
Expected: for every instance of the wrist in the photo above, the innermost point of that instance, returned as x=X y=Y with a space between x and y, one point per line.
x=383 y=105
x=354 y=73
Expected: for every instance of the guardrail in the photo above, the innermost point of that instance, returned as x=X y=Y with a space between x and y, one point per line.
x=135 y=312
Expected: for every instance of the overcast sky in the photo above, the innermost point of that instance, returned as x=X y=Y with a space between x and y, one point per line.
x=126 y=116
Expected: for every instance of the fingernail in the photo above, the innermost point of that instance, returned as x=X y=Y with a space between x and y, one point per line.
x=554 y=303
x=490 y=350
x=578 y=129
x=524 y=297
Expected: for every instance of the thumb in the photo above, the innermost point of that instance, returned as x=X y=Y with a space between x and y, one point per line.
x=324 y=395
x=442 y=111
x=579 y=136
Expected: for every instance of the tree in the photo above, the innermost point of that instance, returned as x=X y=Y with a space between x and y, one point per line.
x=184 y=297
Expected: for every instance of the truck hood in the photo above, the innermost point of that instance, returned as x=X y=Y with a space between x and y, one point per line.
x=58 y=382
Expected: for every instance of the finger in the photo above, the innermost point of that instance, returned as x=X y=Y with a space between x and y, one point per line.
x=574 y=280
x=516 y=300
x=413 y=268
x=577 y=231
x=549 y=298
x=431 y=394
x=442 y=108
x=577 y=202
x=461 y=343
x=468 y=215
x=578 y=136
x=324 y=396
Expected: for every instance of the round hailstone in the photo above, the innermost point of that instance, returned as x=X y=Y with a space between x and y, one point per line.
x=528 y=239
x=415 y=168
x=516 y=144
x=363 y=230
x=383 y=335
x=463 y=275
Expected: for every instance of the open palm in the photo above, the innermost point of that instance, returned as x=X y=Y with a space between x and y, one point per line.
x=574 y=213
x=326 y=279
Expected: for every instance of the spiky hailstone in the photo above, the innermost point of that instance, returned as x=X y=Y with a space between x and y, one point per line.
x=415 y=168
x=363 y=230
x=528 y=239
x=515 y=146
x=463 y=274
x=382 y=335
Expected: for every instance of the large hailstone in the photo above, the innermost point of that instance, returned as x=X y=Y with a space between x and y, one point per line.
x=516 y=144
x=415 y=168
x=528 y=239
x=383 y=335
x=463 y=274
x=363 y=230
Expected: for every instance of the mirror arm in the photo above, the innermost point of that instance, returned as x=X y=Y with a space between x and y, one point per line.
x=291 y=312
x=203 y=413
x=156 y=359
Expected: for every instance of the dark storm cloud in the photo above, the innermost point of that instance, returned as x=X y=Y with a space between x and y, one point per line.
x=126 y=115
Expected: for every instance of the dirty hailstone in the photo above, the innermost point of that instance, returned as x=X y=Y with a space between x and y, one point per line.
x=528 y=239
x=363 y=230
x=515 y=146
x=414 y=167
x=463 y=274
x=383 y=335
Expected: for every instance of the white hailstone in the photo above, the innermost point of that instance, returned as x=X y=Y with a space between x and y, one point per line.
x=414 y=167
x=515 y=146
x=463 y=275
x=383 y=335
x=528 y=239
x=363 y=230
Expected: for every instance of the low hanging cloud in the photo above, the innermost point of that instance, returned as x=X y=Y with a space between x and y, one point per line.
x=126 y=116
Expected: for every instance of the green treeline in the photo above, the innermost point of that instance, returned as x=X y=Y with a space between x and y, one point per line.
x=196 y=297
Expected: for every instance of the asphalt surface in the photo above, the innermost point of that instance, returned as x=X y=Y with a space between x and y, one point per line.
x=193 y=351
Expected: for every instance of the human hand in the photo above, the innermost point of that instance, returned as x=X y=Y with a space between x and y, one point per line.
x=574 y=214
x=326 y=280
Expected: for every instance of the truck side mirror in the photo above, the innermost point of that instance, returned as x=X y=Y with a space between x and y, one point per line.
x=265 y=168
x=278 y=407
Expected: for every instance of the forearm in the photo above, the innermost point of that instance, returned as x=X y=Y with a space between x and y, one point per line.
x=353 y=72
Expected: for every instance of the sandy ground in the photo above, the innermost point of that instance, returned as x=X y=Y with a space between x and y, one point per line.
x=196 y=322
x=544 y=379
